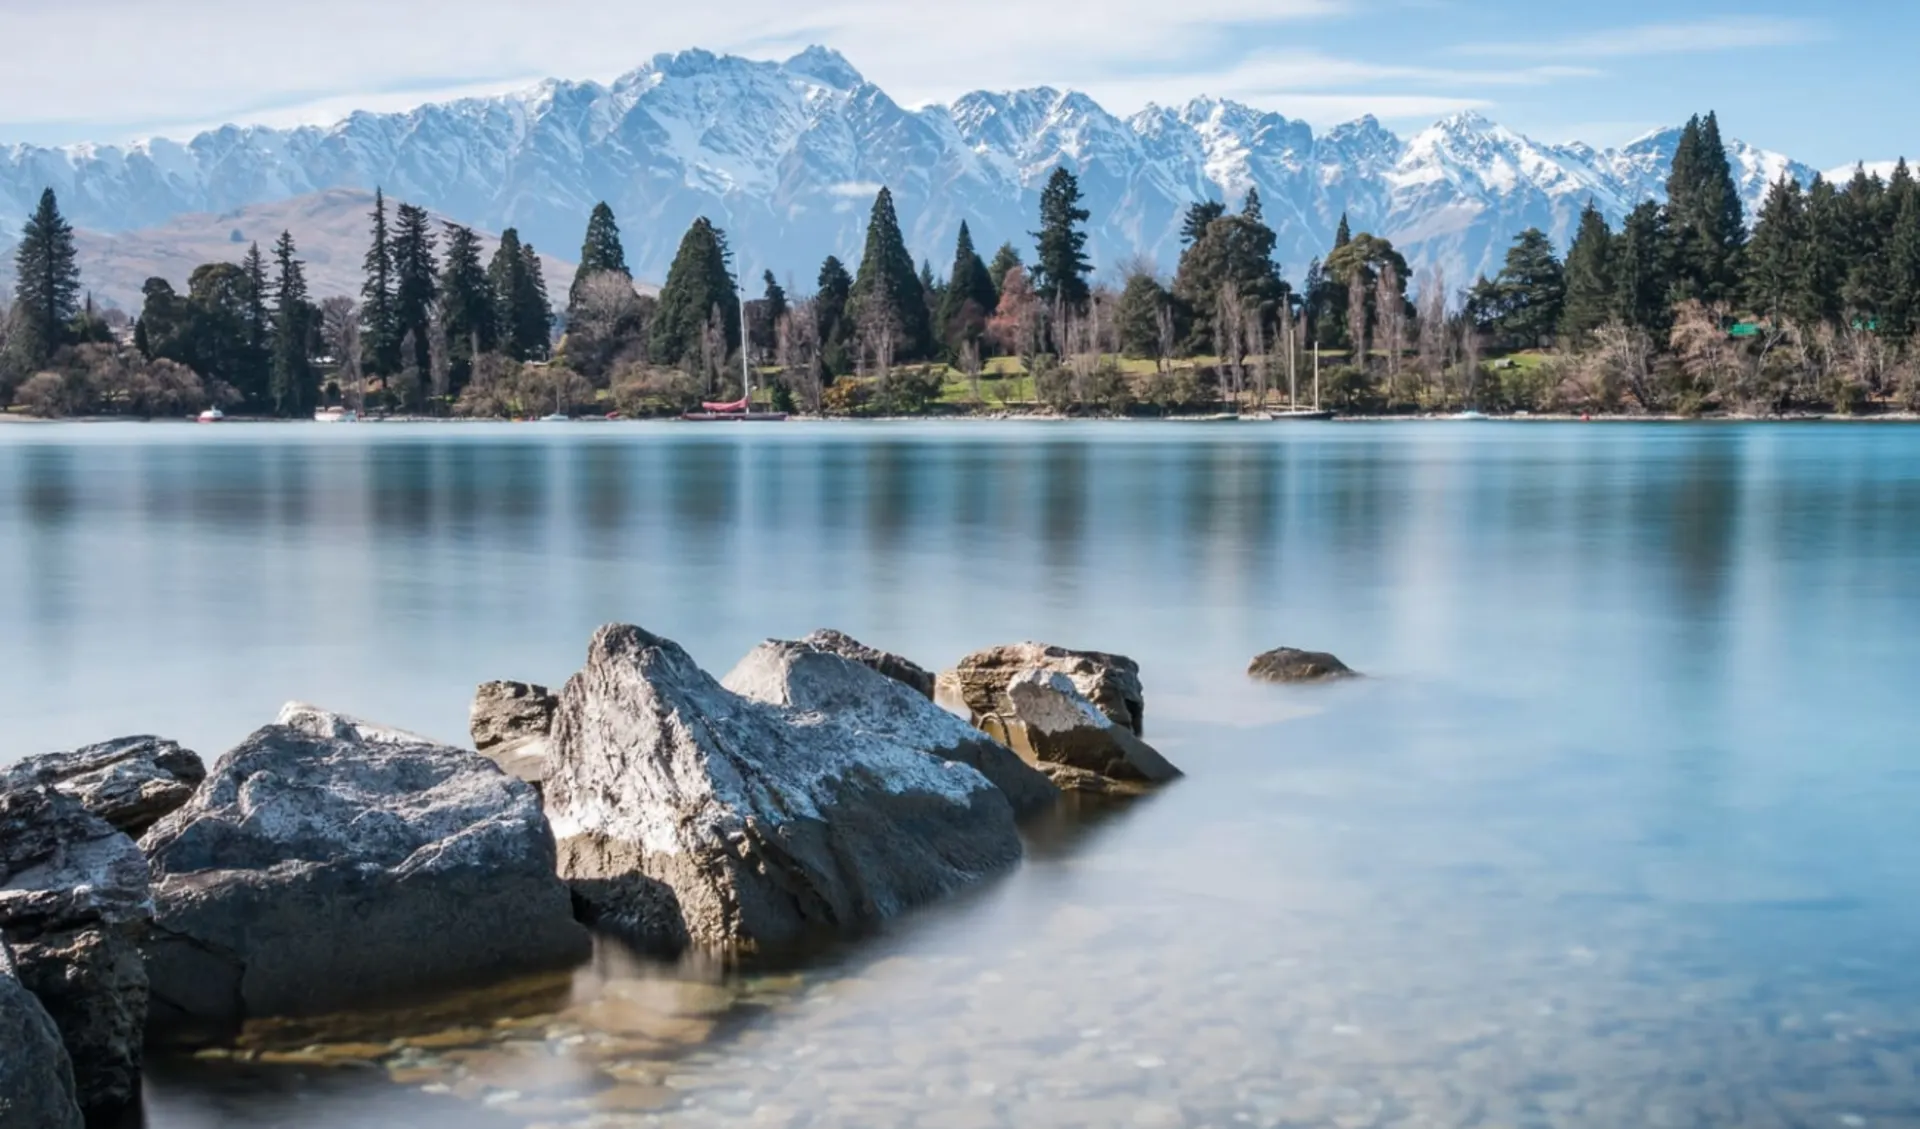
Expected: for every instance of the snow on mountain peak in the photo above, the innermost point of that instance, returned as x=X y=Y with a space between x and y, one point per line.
x=768 y=150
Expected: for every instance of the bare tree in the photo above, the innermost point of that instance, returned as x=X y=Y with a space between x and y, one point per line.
x=1433 y=328
x=1701 y=346
x=1358 y=322
x=1390 y=310
x=1624 y=355
x=1470 y=346
x=438 y=364
x=970 y=365
x=1257 y=348
x=1229 y=332
x=340 y=334
x=1163 y=335
x=879 y=326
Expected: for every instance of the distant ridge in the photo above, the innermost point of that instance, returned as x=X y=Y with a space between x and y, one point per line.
x=785 y=156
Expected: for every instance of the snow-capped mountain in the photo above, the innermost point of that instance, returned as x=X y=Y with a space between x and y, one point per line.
x=786 y=157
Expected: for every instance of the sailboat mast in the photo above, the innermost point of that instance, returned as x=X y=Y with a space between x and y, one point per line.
x=1316 y=376
x=1293 y=382
x=746 y=374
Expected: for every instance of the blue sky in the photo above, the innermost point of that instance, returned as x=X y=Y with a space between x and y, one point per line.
x=1827 y=84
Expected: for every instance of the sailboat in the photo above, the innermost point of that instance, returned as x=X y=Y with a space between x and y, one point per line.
x=1293 y=410
x=556 y=416
x=741 y=409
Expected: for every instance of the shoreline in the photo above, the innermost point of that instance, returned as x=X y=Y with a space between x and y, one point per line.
x=1037 y=417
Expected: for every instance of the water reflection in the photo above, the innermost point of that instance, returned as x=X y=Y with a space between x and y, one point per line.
x=1617 y=834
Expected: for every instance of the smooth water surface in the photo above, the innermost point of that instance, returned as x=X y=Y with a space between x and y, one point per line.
x=1622 y=830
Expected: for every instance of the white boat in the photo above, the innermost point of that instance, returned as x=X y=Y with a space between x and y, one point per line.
x=211 y=415
x=1300 y=414
x=556 y=417
x=1469 y=414
x=336 y=415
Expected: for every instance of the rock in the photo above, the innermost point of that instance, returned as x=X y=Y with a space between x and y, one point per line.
x=130 y=783
x=978 y=685
x=901 y=670
x=641 y=912
x=768 y=822
x=328 y=864
x=1289 y=665
x=510 y=723
x=36 y=1077
x=1048 y=721
x=75 y=907
x=802 y=676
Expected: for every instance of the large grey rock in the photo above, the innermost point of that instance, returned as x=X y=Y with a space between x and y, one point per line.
x=130 y=782
x=511 y=723
x=329 y=863
x=74 y=907
x=900 y=669
x=978 y=685
x=767 y=822
x=1048 y=721
x=36 y=1077
x=802 y=676
x=1287 y=664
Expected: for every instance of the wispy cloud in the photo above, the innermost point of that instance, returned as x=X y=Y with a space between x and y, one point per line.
x=1690 y=38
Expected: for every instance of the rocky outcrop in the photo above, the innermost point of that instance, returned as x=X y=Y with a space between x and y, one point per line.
x=802 y=676
x=978 y=685
x=1049 y=722
x=36 y=1077
x=768 y=822
x=1287 y=664
x=510 y=723
x=328 y=863
x=643 y=913
x=901 y=670
x=74 y=908
x=130 y=783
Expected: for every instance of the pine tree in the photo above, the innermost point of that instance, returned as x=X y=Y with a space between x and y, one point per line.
x=600 y=253
x=1903 y=252
x=379 y=333
x=1824 y=266
x=1004 y=260
x=533 y=310
x=698 y=281
x=970 y=296
x=1867 y=291
x=1532 y=291
x=47 y=281
x=295 y=389
x=254 y=380
x=887 y=280
x=1705 y=214
x=773 y=303
x=1590 y=283
x=833 y=290
x=1643 y=271
x=415 y=285
x=1200 y=215
x=467 y=308
x=1343 y=234
x=1060 y=257
x=1776 y=258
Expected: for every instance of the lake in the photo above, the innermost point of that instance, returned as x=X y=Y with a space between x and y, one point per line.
x=1620 y=829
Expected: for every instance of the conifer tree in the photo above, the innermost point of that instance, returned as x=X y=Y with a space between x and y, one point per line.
x=1199 y=215
x=1776 y=258
x=1705 y=214
x=1343 y=234
x=532 y=309
x=773 y=303
x=46 y=280
x=698 y=282
x=379 y=327
x=467 y=308
x=295 y=389
x=253 y=380
x=833 y=291
x=1589 y=278
x=887 y=280
x=415 y=284
x=1004 y=260
x=1903 y=252
x=1823 y=269
x=970 y=296
x=1530 y=290
x=600 y=253
x=1060 y=258
x=1643 y=271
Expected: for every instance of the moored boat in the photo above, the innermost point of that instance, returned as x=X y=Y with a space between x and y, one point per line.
x=336 y=415
x=211 y=415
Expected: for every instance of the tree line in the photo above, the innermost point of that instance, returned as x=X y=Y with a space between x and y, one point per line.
x=1684 y=309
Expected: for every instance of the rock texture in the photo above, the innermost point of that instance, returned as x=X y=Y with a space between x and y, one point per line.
x=36 y=1077
x=1287 y=664
x=130 y=783
x=768 y=822
x=893 y=666
x=511 y=723
x=978 y=685
x=820 y=681
x=330 y=863
x=74 y=907
x=642 y=912
x=1049 y=722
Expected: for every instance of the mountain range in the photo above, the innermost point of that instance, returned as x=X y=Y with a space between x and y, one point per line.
x=786 y=156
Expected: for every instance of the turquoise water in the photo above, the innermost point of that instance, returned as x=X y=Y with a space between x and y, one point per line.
x=1620 y=831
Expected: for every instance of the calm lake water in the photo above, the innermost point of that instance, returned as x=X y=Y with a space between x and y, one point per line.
x=1623 y=829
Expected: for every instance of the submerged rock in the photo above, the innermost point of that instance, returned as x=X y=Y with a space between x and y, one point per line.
x=768 y=822
x=511 y=723
x=978 y=685
x=329 y=863
x=901 y=670
x=642 y=912
x=802 y=676
x=1287 y=664
x=75 y=907
x=130 y=782
x=1048 y=721
x=36 y=1076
